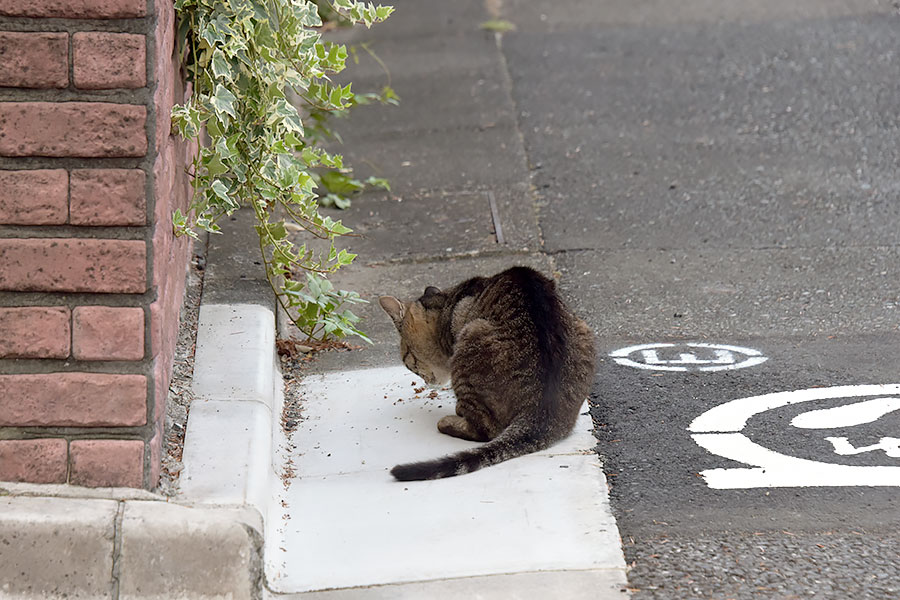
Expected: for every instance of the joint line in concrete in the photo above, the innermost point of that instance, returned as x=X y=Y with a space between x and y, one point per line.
x=117 y=550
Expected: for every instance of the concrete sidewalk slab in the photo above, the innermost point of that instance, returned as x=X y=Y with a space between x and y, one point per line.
x=598 y=584
x=339 y=520
x=415 y=20
x=442 y=223
x=468 y=94
x=373 y=419
x=349 y=524
x=68 y=547
x=451 y=159
x=234 y=272
x=170 y=551
x=56 y=547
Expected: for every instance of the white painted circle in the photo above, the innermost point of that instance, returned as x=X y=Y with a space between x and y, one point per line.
x=690 y=356
x=718 y=430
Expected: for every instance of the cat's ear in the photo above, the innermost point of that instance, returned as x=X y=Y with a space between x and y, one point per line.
x=394 y=308
x=433 y=298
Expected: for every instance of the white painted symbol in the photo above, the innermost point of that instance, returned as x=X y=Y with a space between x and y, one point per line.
x=842 y=446
x=848 y=415
x=694 y=356
x=718 y=431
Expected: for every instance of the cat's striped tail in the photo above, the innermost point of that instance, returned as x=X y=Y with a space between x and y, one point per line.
x=516 y=440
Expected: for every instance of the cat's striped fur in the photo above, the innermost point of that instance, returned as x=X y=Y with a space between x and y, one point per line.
x=521 y=365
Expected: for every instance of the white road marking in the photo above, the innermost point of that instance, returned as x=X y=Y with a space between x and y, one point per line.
x=733 y=416
x=847 y=415
x=691 y=356
x=778 y=470
x=842 y=446
x=718 y=430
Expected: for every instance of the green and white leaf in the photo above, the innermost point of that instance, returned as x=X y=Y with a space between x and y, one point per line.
x=243 y=57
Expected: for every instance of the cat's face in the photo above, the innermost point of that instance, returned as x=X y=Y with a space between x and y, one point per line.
x=419 y=347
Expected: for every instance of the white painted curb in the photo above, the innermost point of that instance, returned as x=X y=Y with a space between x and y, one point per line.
x=228 y=445
x=235 y=355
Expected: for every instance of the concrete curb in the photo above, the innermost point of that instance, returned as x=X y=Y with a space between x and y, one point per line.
x=231 y=429
x=228 y=444
x=137 y=548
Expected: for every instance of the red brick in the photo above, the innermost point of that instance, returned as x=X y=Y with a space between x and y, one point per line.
x=72 y=129
x=38 y=197
x=74 y=9
x=34 y=461
x=107 y=463
x=170 y=254
x=73 y=400
x=108 y=197
x=34 y=60
x=109 y=60
x=73 y=265
x=108 y=333
x=34 y=332
x=162 y=374
x=165 y=312
x=167 y=89
x=163 y=234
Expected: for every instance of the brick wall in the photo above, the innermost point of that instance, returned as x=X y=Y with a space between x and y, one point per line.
x=91 y=277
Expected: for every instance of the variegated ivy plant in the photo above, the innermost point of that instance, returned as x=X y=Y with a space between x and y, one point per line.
x=260 y=150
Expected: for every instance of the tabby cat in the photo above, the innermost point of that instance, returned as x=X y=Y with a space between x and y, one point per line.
x=521 y=365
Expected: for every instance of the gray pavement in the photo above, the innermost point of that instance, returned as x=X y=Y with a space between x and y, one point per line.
x=716 y=172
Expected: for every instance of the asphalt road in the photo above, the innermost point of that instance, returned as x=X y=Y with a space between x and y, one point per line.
x=726 y=173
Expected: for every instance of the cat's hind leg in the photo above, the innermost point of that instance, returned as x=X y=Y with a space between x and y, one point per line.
x=476 y=375
x=459 y=427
